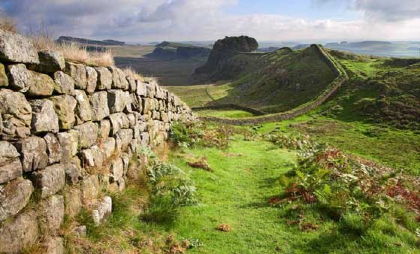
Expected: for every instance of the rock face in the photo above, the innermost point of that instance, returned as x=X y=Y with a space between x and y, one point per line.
x=226 y=48
x=17 y=49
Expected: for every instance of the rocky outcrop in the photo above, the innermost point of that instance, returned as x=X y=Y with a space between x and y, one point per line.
x=67 y=132
x=224 y=49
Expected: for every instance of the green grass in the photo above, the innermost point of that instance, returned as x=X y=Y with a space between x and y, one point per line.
x=232 y=113
x=236 y=192
x=194 y=96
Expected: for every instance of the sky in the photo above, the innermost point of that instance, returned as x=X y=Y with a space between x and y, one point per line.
x=189 y=20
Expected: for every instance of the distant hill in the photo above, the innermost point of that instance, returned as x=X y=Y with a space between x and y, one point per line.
x=69 y=39
x=378 y=48
x=175 y=50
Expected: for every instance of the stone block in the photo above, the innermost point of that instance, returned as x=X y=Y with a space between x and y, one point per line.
x=44 y=118
x=92 y=79
x=99 y=103
x=64 y=84
x=14 y=196
x=65 y=106
x=33 y=153
x=69 y=142
x=17 y=49
x=51 y=211
x=54 y=149
x=104 y=78
x=88 y=134
x=10 y=165
x=78 y=73
x=50 y=180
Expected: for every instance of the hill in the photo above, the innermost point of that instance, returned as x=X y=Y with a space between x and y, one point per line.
x=175 y=50
x=69 y=39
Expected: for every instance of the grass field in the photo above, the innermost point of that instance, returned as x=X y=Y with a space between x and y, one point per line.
x=225 y=113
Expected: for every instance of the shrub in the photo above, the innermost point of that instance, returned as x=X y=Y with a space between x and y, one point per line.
x=170 y=189
x=296 y=142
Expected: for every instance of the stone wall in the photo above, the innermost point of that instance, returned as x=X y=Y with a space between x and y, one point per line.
x=68 y=131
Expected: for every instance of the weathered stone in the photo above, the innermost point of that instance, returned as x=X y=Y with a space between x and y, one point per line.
x=4 y=81
x=69 y=142
x=123 y=139
x=53 y=148
x=50 y=180
x=99 y=103
x=88 y=134
x=117 y=170
x=108 y=147
x=104 y=129
x=14 y=196
x=73 y=171
x=80 y=230
x=50 y=61
x=44 y=118
x=164 y=117
x=104 y=78
x=145 y=139
x=10 y=165
x=92 y=80
x=141 y=88
x=90 y=190
x=65 y=106
x=73 y=202
x=132 y=120
x=53 y=245
x=136 y=103
x=78 y=73
x=64 y=84
x=20 y=233
x=132 y=83
x=93 y=157
x=34 y=153
x=118 y=100
x=119 y=80
x=51 y=214
x=34 y=83
x=17 y=49
x=151 y=89
x=83 y=108
x=118 y=121
x=103 y=210
x=148 y=105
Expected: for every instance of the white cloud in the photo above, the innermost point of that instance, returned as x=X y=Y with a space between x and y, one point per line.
x=141 y=20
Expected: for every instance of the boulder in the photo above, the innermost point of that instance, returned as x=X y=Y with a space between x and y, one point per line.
x=65 y=106
x=118 y=100
x=50 y=62
x=99 y=103
x=69 y=142
x=83 y=108
x=78 y=73
x=88 y=134
x=10 y=165
x=104 y=78
x=51 y=214
x=17 y=48
x=103 y=210
x=50 y=180
x=33 y=83
x=72 y=202
x=14 y=196
x=64 y=84
x=119 y=80
x=4 y=81
x=53 y=245
x=33 y=153
x=54 y=149
x=92 y=79
x=18 y=234
x=44 y=118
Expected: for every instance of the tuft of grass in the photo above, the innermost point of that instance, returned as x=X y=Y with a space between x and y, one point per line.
x=7 y=24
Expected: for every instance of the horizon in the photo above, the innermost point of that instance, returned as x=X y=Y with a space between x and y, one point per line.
x=303 y=21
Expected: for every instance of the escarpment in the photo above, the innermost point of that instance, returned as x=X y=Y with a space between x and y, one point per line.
x=67 y=131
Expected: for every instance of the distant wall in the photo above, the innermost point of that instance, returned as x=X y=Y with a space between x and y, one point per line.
x=68 y=131
x=300 y=110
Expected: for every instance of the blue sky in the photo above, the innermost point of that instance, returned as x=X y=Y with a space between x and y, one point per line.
x=273 y=20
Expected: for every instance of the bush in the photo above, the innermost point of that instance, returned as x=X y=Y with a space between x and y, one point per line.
x=295 y=142
x=198 y=133
x=170 y=189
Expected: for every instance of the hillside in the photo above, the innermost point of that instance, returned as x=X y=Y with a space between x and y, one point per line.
x=174 y=50
x=69 y=39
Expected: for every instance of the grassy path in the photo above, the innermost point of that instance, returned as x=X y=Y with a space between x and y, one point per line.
x=236 y=193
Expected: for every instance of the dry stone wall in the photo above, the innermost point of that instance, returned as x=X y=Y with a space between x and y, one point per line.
x=67 y=131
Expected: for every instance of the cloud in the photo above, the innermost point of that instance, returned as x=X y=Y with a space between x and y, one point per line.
x=145 y=20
